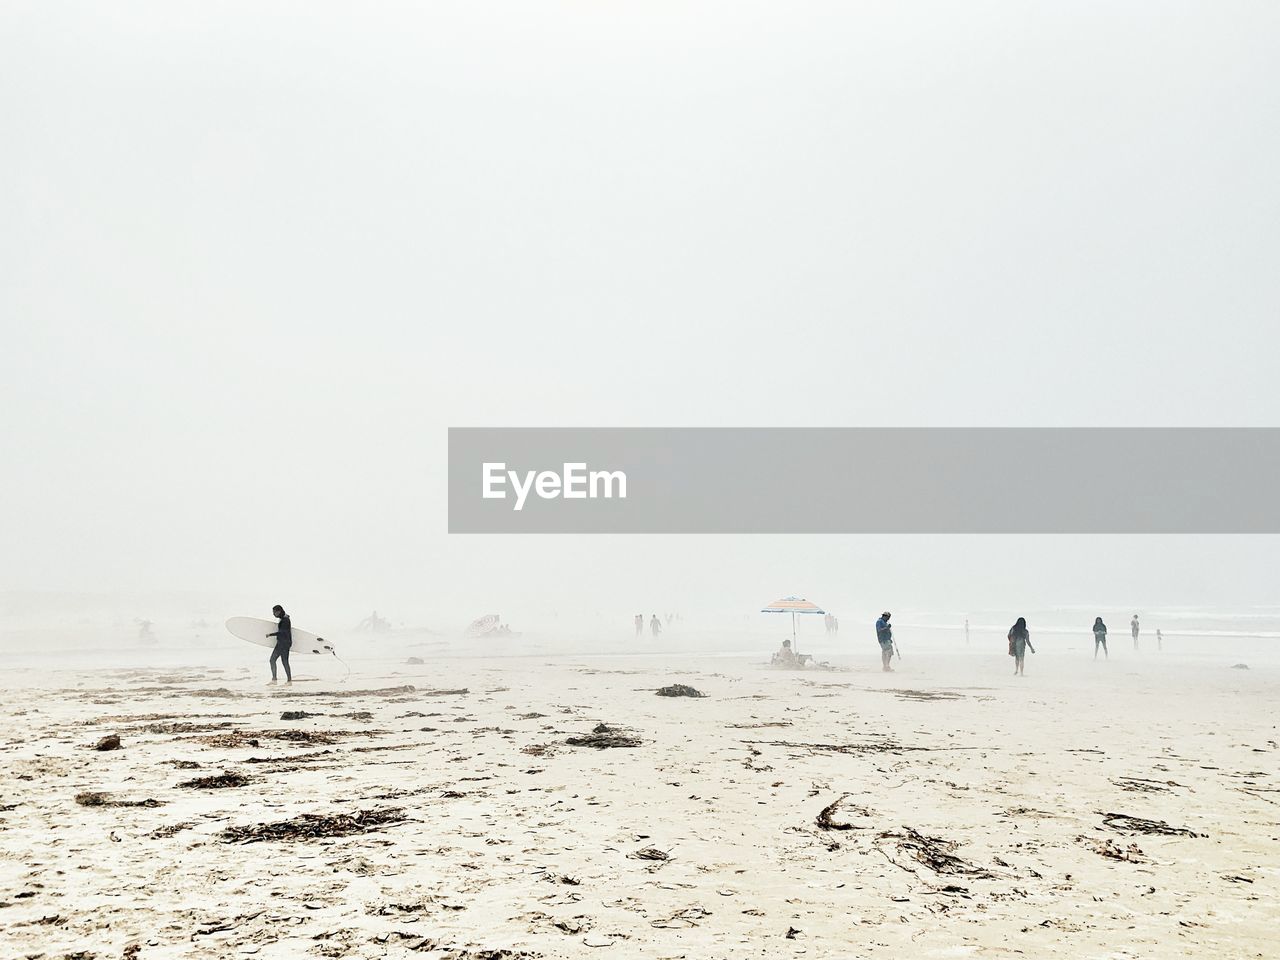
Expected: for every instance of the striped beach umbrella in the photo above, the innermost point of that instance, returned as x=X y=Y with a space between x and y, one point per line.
x=796 y=606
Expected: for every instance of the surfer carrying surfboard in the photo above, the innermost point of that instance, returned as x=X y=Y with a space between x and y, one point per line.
x=284 y=640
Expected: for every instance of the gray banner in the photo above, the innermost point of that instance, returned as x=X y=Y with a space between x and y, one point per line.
x=863 y=480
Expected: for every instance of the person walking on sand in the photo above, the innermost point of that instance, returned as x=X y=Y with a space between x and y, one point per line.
x=1133 y=628
x=884 y=636
x=655 y=626
x=966 y=633
x=639 y=625
x=1019 y=641
x=284 y=640
x=1100 y=638
x=1159 y=639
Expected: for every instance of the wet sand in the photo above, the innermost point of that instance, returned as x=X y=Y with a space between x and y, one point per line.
x=946 y=810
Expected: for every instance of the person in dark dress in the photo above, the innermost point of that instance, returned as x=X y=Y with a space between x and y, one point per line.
x=1100 y=638
x=1019 y=641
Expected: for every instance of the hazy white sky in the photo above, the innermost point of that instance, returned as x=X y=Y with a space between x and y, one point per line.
x=256 y=257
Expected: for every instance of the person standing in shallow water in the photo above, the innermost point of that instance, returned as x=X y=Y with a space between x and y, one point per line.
x=884 y=636
x=284 y=640
x=655 y=626
x=1100 y=638
x=1019 y=640
x=1133 y=628
x=639 y=624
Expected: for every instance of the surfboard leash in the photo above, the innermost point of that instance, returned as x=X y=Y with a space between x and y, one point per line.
x=345 y=664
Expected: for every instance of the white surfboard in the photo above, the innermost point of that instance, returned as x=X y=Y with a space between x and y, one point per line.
x=255 y=630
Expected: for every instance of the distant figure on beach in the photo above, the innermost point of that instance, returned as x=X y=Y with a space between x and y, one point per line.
x=284 y=640
x=884 y=636
x=835 y=626
x=1159 y=639
x=966 y=633
x=655 y=625
x=1019 y=641
x=786 y=657
x=374 y=623
x=639 y=624
x=1100 y=638
x=1133 y=628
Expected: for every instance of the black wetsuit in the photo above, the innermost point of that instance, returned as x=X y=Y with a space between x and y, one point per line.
x=284 y=640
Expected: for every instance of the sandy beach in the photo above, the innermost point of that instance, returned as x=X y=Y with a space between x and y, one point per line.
x=581 y=399
x=1121 y=809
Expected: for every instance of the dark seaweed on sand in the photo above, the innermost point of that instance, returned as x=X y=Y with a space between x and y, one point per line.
x=679 y=690
x=384 y=692
x=228 y=778
x=95 y=798
x=1128 y=824
x=651 y=853
x=161 y=833
x=933 y=852
x=883 y=746
x=254 y=738
x=314 y=826
x=925 y=694
x=293 y=758
x=603 y=736
x=183 y=726
x=826 y=817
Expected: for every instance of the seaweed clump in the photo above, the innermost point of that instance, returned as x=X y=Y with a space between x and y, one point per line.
x=603 y=737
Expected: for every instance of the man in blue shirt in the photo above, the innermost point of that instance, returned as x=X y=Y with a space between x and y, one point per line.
x=884 y=635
